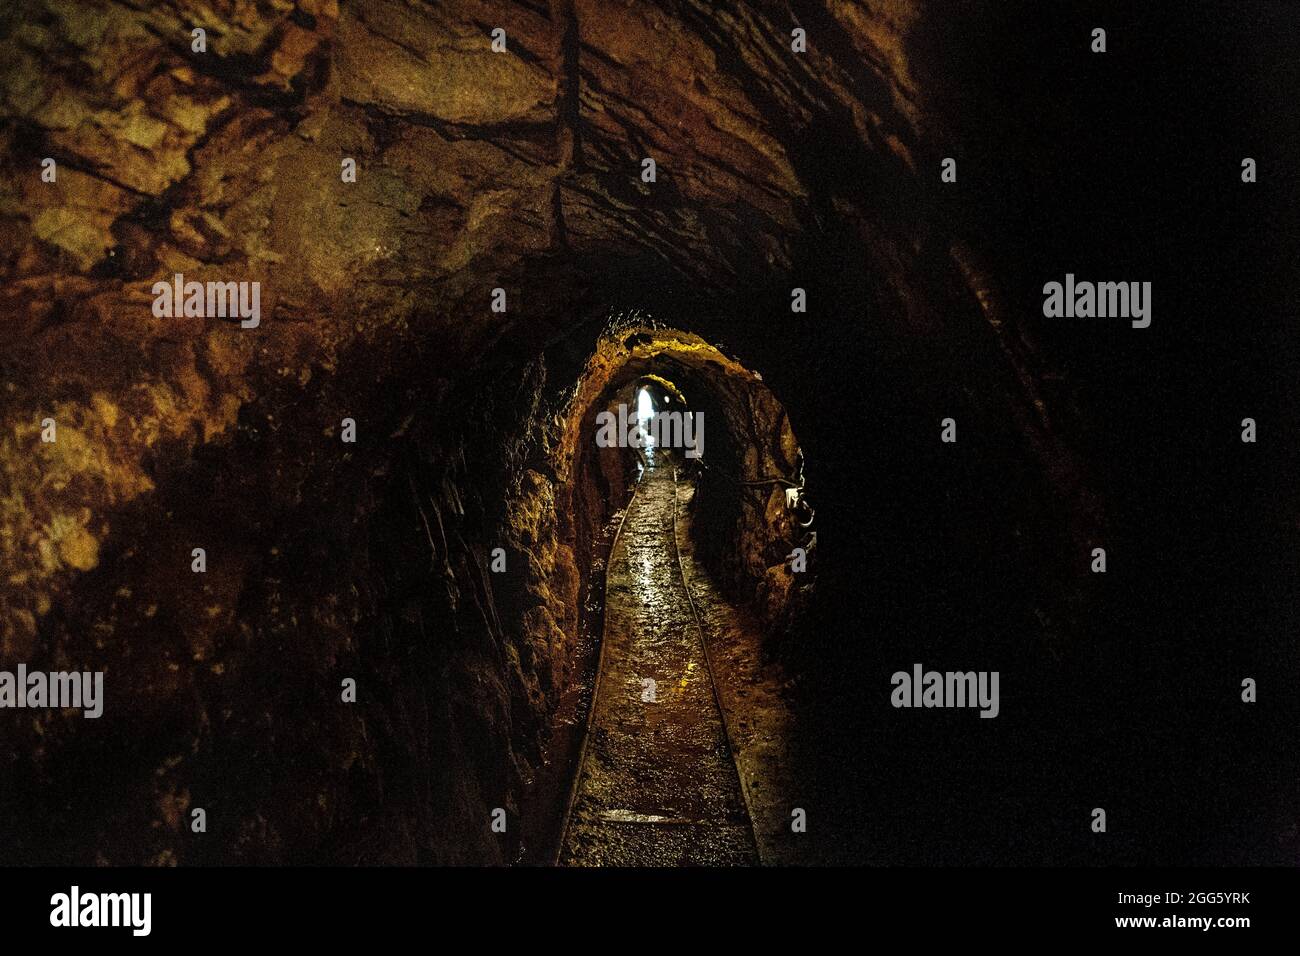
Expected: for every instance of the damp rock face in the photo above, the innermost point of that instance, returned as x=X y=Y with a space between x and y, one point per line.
x=372 y=560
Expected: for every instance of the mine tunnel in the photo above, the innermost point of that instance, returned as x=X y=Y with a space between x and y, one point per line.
x=438 y=620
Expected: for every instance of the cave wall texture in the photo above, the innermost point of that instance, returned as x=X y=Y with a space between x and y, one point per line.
x=479 y=170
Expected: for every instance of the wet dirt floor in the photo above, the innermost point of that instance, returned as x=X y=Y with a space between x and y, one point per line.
x=658 y=785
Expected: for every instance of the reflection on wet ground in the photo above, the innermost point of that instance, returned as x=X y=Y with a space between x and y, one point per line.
x=658 y=786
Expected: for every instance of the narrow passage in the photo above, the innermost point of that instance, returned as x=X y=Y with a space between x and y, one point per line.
x=657 y=785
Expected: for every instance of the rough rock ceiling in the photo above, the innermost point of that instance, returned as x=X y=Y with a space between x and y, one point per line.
x=475 y=170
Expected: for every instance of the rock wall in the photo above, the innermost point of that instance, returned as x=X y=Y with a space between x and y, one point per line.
x=475 y=171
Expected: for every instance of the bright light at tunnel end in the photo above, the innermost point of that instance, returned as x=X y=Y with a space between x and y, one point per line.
x=645 y=411
x=684 y=430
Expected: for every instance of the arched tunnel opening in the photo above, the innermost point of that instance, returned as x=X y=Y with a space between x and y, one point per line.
x=687 y=510
x=387 y=575
x=748 y=525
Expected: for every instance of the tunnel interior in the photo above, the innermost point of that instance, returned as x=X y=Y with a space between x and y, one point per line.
x=748 y=469
x=396 y=479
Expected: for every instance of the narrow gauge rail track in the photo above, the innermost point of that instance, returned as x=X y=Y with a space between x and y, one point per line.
x=656 y=781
